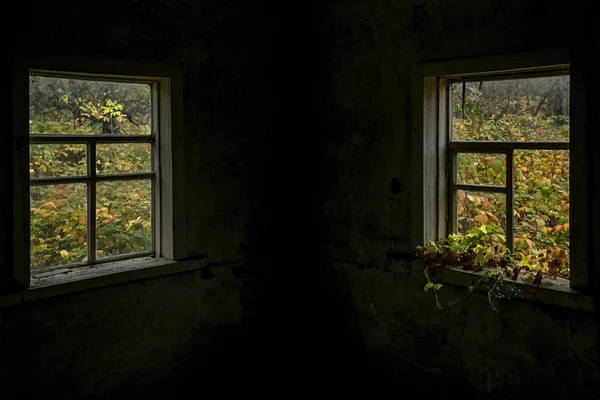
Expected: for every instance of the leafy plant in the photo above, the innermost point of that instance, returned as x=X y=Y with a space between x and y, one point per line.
x=484 y=248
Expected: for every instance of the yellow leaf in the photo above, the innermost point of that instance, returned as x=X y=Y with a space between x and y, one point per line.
x=493 y=218
x=481 y=218
x=64 y=254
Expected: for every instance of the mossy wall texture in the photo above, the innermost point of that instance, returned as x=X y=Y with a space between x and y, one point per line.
x=296 y=123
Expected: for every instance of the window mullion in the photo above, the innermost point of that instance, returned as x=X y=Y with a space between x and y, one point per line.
x=124 y=176
x=49 y=138
x=480 y=188
x=453 y=166
x=510 y=218
x=499 y=147
x=91 y=204
x=156 y=201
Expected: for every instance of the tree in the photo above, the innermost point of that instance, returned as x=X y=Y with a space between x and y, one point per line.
x=83 y=106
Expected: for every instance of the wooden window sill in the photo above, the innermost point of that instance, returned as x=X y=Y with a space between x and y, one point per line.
x=46 y=284
x=552 y=291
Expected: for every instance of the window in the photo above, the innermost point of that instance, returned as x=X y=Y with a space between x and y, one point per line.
x=93 y=167
x=500 y=138
x=97 y=147
x=509 y=160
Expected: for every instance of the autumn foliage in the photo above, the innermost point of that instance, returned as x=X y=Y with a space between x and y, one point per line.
x=519 y=110
x=58 y=212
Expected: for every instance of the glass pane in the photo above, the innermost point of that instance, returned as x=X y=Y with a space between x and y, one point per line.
x=481 y=169
x=525 y=109
x=59 y=105
x=478 y=208
x=58 y=224
x=123 y=157
x=123 y=217
x=47 y=160
x=541 y=200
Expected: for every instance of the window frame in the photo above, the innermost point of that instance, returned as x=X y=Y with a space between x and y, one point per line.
x=169 y=191
x=456 y=147
x=431 y=148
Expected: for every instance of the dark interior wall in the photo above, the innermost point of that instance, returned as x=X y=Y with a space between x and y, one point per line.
x=296 y=121
x=138 y=337
x=525 y=351
x=120 y=341
x=253 y=190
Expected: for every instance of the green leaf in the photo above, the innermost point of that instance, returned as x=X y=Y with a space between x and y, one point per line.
x=433 y=286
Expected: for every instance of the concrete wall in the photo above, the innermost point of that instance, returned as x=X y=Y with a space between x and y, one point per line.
x=296 y=122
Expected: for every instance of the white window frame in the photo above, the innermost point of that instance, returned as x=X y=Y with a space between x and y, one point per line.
x=169 y=191
x=431 y=147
